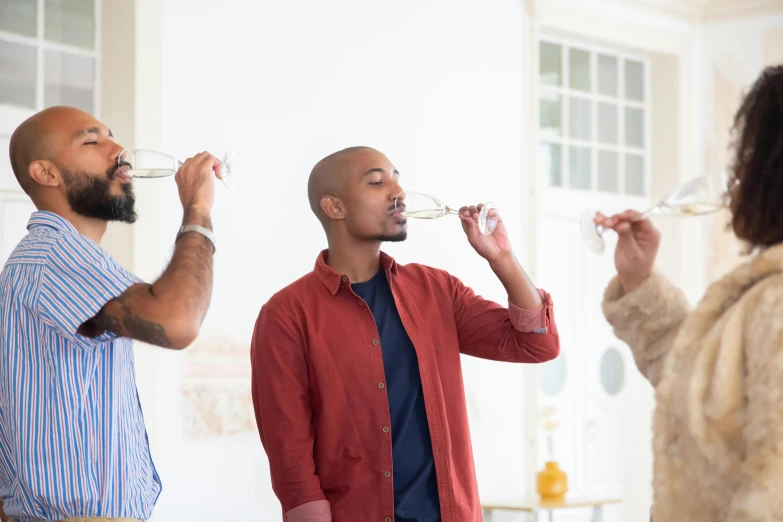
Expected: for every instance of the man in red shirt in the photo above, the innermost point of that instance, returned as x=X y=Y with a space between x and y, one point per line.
x=357 y=384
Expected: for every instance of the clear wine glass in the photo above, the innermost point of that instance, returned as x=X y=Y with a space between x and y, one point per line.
x=153 y=164
x=421 y=206
x=696 y=197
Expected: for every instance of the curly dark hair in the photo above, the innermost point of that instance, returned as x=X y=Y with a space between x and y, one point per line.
x=757 y=198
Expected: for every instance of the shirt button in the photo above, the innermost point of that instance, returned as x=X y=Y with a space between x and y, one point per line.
x=375 y=342
x=387 y=519
x=387 y=474
x=385 y=429
x=344 y=278
x=380 y=385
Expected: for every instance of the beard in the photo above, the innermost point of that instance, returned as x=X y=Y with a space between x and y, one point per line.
x=90 y=196
x=392 y=238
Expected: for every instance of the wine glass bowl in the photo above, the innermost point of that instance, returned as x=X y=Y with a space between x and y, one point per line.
x=696 y=197
x=422 y=206
x=150 y=164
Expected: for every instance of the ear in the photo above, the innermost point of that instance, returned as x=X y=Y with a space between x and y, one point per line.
x=44 y=173
x=333 y=207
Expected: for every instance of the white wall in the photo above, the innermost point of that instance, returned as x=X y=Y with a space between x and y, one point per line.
x=436 y=85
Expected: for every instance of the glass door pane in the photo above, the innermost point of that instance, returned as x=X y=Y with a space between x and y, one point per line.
x=69 y=80
x=70 y=22
x=19 y=16
x=17 y=74
x=550 y=64
x=579 y=69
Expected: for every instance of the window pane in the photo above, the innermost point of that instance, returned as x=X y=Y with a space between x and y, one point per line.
x=550 y=64
x=607 y=123
x=634 y=174
x=634 y=127
x=607 y=75
x=549 y=163
x=608 y=179
x=579 y=120
x=634 y=80
x=69 y=80
x=550 y=115
x=70 y=22
x=579 y=168
x=19 y=16
x=17 y=74
x=579 y=69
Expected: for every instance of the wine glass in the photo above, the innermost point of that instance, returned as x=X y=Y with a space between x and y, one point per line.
x=421 y=206
x=696 y=197
x=152 y=164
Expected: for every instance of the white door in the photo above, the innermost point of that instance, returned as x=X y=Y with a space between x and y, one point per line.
x=602 y=404
x=593 y=153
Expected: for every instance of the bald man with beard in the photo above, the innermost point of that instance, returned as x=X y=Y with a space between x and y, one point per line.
x=357 y=384
x=73 y=446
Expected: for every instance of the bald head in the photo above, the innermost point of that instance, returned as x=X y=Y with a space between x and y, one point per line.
x=353 y=193
x=37 y=137
x=329 y=175
x=30 y=142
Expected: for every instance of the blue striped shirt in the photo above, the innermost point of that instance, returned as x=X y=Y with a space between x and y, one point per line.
x=72 y=435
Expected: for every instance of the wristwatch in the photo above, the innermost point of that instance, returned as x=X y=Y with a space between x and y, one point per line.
x=201 y=230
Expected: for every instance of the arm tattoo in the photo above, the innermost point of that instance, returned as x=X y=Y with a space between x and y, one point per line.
x=131 y=325
x=141 y=329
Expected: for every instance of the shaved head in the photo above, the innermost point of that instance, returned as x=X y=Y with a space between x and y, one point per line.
x=32 y=141
x=328 y=178
x=353 y=191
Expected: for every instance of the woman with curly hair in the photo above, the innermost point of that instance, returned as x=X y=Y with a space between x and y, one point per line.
x=717 y=370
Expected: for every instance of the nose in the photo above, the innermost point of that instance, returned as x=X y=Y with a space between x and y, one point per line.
x=124 y=156
x=396 y=190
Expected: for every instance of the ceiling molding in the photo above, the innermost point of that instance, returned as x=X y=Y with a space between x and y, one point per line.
x=691 y=10
x=703 y=10
x=722 y=9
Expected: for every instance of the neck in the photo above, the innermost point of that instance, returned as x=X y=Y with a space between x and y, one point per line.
x=88 y=227
x=359 y=260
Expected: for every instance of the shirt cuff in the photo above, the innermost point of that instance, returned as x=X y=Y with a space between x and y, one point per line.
x=316 y=511
x=535 y=320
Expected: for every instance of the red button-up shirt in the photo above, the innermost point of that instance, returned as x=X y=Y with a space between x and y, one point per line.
x=319 y=388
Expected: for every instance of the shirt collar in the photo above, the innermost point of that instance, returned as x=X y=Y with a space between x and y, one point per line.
x=43 y=218
x=334 y=281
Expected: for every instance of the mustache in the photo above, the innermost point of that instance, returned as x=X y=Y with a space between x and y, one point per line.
x=113 y=170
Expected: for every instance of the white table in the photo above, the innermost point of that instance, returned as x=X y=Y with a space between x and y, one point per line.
x=536 y=506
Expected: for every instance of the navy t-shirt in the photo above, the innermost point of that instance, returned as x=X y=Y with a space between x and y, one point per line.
x=415 y=485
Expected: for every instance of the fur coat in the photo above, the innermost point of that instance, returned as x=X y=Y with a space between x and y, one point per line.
x=718 y=378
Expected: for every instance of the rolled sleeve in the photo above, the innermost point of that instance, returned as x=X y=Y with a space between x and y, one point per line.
x=535 y=320
x=316 y=511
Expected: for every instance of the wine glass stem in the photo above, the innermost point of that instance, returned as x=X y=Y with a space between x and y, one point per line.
x=644 y=215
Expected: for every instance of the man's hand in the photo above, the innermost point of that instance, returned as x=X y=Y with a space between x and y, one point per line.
x=637 y=246
x=196 y=182
x=490 y=247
